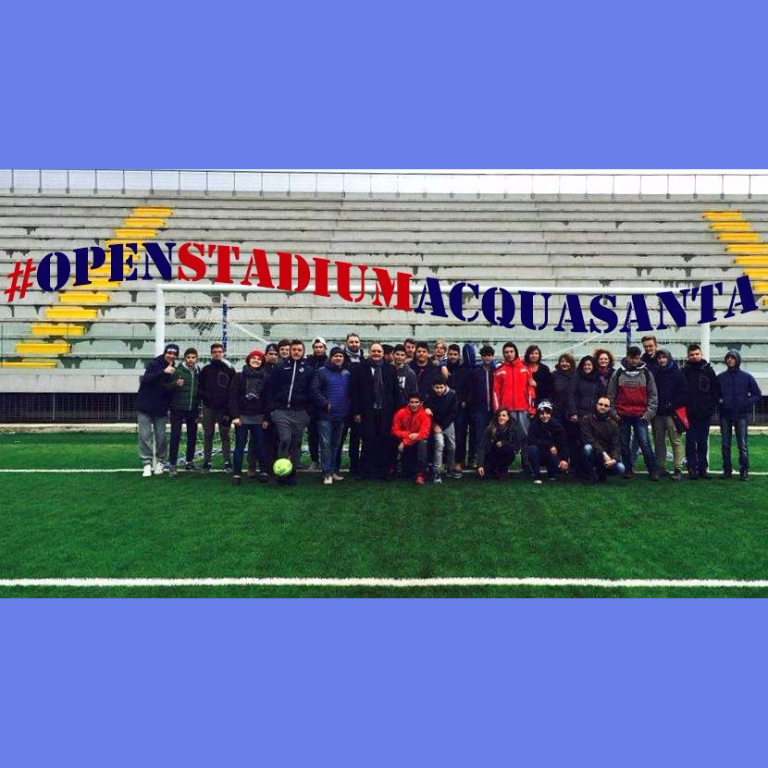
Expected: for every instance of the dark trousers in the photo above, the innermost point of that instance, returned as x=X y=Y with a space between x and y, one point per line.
x=255 y=437
x=314 y=441
x=573 y=434
x=727 y=427
x=499 y=460
x=461 y=427
x=415 y=458
x=377 y=456
x=536 y=458
x=696 y=443
x=639 y=426
x=595 y=466
x=353 y=429
x=178 y=420
x=479 y=423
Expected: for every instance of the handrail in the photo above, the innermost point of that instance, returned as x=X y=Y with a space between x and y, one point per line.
x=396 y=183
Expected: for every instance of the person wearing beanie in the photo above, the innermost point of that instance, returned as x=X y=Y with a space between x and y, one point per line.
x=632 y=390
x=703 y=394
x=185 y=408
x=248 y=408
x=334 y=383
x=673 y=390
x=547 y=444
x=215 y=381
x=738 y=393
x=601 y=442
x=152 y=403
x=317 y=361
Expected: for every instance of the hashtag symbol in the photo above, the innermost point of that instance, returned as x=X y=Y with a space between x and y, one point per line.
x=20 y=272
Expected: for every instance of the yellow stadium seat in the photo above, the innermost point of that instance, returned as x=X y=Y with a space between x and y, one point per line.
x=59 y=330
x=731 y=226
x=69 y=314
x=28 y=364
x=723 y=215
x=49 y=348
x=739 y=237
x=748 y=250
x=84 y=298
x=751 y=261
x=145 y=222
x=163 y=213
x=144 y=234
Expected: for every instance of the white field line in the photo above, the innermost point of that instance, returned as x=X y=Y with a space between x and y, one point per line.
x=391 y=583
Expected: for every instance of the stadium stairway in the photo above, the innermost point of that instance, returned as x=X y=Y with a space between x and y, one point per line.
x=650 y=244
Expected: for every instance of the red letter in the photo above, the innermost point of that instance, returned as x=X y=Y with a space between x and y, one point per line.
x=259 y=261
x=286 y=272
x=387 y=286
x=321 y=276
x=224 y=261
x=192 y=261
x=343 y=281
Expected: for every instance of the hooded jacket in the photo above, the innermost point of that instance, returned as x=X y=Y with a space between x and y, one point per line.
x=334 y=388
x=738 y=390
x=584 y=391
x=292 y=387
x=481 y=393
x=671 y=385
x=632 y=391
x=513 y=387
x=460 y=381
x=703 y=389
x=155 y=391
x=406 y=381
x=215 y=381
x=186 y=397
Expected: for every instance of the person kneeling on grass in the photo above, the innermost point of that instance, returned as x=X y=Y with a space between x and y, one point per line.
x=247 y=406
x=547 y=444
x=412 y=426
x=602 y=443
x=443 y=405
x=152 y=405
x=498 y=446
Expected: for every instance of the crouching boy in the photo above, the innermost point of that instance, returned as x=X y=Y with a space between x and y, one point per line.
x=547 y=444
x=412 y=426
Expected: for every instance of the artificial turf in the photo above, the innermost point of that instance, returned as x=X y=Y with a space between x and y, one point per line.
x=123 y=526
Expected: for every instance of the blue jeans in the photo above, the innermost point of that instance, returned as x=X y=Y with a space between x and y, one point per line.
x=696 y=443
x=594 y=464
x=329 y=435
x=727 y=426
x=536 y=458
x=637 y=425
x=243 y=434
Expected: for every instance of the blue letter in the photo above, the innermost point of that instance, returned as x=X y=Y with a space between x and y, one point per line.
x=435 y=298
x=456 y=300
x=62 y=271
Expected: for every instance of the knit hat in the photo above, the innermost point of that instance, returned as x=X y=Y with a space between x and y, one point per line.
x=255 y=353
x=172 y=348
x=320 y=340
x=271 y=348
x=336 y=351
x=545 y=405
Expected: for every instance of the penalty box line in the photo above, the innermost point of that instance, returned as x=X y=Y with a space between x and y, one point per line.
x=384 y=583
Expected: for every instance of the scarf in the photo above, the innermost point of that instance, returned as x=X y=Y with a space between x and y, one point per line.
x=378 y=385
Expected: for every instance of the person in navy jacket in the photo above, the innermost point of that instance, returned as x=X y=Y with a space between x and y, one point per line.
x=738 y=393
x=334 y=382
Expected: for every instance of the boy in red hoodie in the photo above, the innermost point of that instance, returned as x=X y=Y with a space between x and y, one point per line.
x=412 y=427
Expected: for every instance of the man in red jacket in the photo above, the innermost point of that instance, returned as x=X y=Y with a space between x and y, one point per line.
x=412 y=427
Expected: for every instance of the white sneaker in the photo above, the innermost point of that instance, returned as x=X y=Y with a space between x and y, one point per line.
x=338 y=478
x=314 y=467
x=147 y=471
x=159 y=469
x=538 y=481
x=327 y=480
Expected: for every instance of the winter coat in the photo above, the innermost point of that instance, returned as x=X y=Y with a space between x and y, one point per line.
x=334 y=388
x=363 y=390
x=512 y=434
x=155 y=391
x=215 y=381
x=671 y=386
x=406 y=423
x=187 y=397
x=292 y=387
x=602 y=433
x=248 y=393
x=425 y=376
x=543 y=378
x=738 y=390
x=460 y=381
x=583 y=393
x=633 y=392
x=513 y=387
x=561 y=387
x=604 y=379
x=406 y=381
x=317 y=363
x=544 y=436
x=444 y=408
x=481 y=392
x=703 y=389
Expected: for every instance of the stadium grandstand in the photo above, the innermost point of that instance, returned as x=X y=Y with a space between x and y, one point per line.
x=77 y=354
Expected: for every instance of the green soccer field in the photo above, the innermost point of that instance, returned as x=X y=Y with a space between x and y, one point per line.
x=117 y=525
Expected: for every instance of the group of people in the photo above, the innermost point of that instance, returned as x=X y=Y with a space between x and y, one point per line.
x=429 y=413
